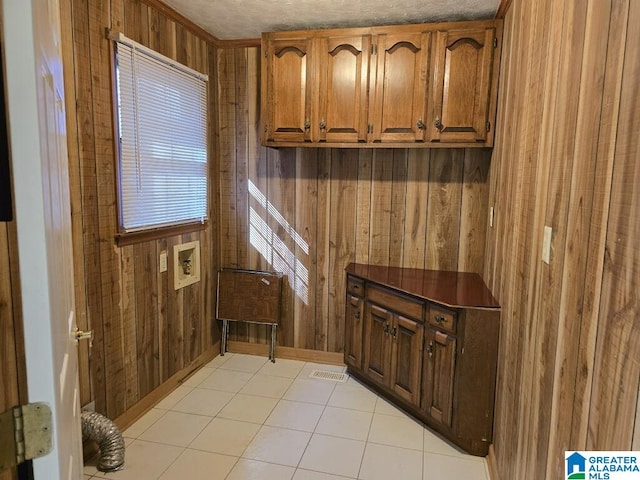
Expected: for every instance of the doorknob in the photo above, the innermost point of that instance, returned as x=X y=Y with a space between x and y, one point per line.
x=82 y=335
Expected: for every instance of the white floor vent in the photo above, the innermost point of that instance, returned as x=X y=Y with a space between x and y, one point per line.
x=331 y=376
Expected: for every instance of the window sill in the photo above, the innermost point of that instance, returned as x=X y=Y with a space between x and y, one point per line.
x=123 y=239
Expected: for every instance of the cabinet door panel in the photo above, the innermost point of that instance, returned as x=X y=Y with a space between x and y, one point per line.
x=406 y=358
x=439 y=376
x=344 y=76
x=353 y=332
x=377 y=352
x=288 y=75
x=462 y=70
x=399 y=103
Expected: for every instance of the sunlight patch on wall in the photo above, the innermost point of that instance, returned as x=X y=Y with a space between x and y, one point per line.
x=273 y=248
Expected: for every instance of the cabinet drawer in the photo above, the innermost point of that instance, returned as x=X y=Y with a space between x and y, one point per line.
x=355 y=286
x=443 y=318
x=396 y=302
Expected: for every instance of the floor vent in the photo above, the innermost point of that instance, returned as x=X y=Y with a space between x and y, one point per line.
x=331 y=376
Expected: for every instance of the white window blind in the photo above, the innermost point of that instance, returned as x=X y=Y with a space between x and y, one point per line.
x=162 y=123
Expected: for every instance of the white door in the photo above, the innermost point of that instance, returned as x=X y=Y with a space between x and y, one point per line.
x=35 y=100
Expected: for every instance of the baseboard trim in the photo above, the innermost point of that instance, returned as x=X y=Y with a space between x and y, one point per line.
x=129 y=417
x=291 y=353
x=492 y=464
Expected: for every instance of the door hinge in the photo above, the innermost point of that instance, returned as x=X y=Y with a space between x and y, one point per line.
x=488 y=126
x=25 y=433
x=374 y=49
x=495 y=42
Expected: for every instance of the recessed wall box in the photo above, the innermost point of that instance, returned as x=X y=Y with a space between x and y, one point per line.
x=186 y=264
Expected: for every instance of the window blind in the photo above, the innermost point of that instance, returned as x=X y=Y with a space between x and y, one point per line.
x=162 y=124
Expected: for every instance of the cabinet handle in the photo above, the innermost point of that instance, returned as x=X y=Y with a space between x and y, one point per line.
x=439 y=318
x=323 y=124
x=357 y=315
x=307 y=124
x=385 y=329
x=394 y=332
x=420 y=124
x=430 y=349
x=437 y=123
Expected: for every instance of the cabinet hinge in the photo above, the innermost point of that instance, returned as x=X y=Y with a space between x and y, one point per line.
x=495 y=42
x=488 y=126
x=25 y=433
x=374 y=49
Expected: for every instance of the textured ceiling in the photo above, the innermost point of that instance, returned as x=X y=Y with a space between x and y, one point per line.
x=241 y=19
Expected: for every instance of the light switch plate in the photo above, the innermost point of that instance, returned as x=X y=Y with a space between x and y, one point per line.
x=546 y=245
x=163 y=261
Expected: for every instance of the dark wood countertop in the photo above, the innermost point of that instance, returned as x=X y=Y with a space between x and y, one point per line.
x=455 y=289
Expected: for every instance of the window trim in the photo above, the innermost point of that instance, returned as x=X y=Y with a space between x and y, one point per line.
x=122 y=237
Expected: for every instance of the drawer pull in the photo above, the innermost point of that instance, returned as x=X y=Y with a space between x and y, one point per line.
x=439 y=318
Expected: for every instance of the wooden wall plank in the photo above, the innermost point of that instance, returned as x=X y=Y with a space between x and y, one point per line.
x=322 y=251
x=398 y=207
x=443 y=211
x=363 y=205
x=379 y=220
x=305 y=248
x=415 y=225
x=474 y=206
x=344 y=169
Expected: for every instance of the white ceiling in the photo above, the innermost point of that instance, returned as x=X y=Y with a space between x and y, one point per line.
x=242 y=19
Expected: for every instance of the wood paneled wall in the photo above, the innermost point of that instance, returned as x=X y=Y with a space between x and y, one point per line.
x=144 y=330
x=309 y=212
x=567 y=155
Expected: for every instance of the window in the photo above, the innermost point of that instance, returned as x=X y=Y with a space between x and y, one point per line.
x=162 y=130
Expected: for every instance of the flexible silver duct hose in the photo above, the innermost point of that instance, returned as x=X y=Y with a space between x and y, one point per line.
x=104 y=432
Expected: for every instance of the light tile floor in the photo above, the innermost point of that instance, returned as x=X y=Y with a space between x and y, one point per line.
x=241 y=417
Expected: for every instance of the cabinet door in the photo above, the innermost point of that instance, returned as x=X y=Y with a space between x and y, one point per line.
x=287 y=73
x=406 y=358
x=377 y=345
x=462 y=72
x=439 y=368
x=343 y=90
x=398 y=109
x=353 y=332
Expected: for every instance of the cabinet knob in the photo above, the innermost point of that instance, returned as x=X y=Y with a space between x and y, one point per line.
x=385 y=329
x=357 y=315
x=437 y=123
x=307 y=124
x=430 y=349
x=394 y=332
x=323 y=124
x=420 y=124
x=439 y=318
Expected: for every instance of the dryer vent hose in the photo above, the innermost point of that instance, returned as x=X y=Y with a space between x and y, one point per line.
x=104 y=432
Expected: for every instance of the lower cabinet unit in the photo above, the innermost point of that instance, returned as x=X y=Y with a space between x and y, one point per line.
x=428 y=343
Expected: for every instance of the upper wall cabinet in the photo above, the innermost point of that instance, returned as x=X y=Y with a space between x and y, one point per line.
x=428 y=85
x=287 y=79
x=398 y=107
x=462 y=64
